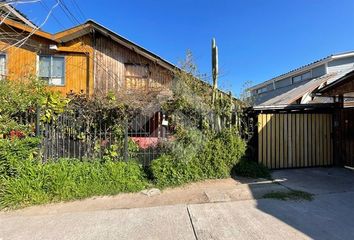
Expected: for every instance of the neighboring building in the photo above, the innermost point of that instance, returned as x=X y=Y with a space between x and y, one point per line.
x=297 y=86
x=305 y=117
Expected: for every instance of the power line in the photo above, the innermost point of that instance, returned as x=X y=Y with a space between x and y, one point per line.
x=67 y=12
x=80 y=11
x=44 y=5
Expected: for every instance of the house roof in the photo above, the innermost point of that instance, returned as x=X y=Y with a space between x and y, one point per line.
x=303 y=68
x=27 y=28
x=16 y=15
x=335 y=84
x=90 y=25
x=291 y=96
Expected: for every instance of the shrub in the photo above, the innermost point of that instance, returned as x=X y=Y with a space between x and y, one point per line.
x=69 y=179
x=195 y=156
x=25 y=180
x=252 y=169
x=15 y=153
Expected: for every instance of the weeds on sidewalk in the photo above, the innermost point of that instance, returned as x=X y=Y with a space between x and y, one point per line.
x=291 y=195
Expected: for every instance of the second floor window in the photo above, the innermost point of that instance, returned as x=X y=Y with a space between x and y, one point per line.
x=302 y=77
x=51 y=69
x=2 y=66
x=262 y=90
x=136 y=77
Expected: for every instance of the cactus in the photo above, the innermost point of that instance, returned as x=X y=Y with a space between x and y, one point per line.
x=215 y=69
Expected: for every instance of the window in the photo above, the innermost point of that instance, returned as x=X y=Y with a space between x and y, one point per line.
x=302 y=77
x=2 y=66
x=51 y=69
x=136 y=76
x=297 y=79
x=306 y=76
x=262 y=90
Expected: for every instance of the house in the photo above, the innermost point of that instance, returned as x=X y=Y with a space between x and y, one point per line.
x=343 y=117
x=298 y=85
x=90 y=59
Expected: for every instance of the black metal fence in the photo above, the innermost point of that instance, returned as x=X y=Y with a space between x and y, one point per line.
x=139 y=137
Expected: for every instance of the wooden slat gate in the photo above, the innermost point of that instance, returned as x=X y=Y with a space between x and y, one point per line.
x=291 y=140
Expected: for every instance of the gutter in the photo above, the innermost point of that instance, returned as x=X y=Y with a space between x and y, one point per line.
x=294 y=107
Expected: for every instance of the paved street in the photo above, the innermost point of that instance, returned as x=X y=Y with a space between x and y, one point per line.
x=329 y=216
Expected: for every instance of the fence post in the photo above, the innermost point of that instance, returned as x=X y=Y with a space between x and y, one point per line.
x=38 y=118
x=125 y=150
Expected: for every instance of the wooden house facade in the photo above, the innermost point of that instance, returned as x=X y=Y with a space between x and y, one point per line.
x=85 y=59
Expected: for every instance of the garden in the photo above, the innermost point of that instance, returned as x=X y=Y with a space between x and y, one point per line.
x=55 y=148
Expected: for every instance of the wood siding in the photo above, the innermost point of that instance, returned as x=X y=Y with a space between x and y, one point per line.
x=110 y=61
x=21 y=62
x=292 y=140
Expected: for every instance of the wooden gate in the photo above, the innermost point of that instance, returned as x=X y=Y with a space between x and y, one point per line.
x=291 y=140
x=344 y=136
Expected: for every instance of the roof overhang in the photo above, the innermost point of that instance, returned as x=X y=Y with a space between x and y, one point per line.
x=92 y=26
x=294 y=107
x=17 y=14
x=328 y=90
x=28 y=29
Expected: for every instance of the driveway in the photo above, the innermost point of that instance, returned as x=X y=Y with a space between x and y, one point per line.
x=329 y=216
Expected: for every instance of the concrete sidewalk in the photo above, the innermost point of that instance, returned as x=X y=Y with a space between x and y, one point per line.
x=329 y=216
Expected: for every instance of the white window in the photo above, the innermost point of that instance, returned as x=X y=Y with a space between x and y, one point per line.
x=2 y=66
x=302 y=77
x=51 y=69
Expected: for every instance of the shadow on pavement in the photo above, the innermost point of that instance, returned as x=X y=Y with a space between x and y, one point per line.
x=329 y=216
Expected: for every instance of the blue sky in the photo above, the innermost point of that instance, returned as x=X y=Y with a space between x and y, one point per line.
x=257 y=39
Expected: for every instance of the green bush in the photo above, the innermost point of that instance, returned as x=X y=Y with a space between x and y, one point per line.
x=252 y=169
x=196 y=156
x=24 y=180
x=15 y=153
x=69 y=179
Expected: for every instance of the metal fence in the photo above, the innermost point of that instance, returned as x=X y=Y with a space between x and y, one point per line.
x=139 y=137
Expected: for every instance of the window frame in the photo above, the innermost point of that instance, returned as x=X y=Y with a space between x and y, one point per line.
x=3 y=77
x=51 y=61
x=262 y=90
x=301 y=77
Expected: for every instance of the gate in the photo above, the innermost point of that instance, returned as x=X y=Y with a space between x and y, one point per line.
x=344 y=136
x=291 y=140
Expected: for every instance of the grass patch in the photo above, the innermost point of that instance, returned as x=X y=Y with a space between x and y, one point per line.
x=251 y=169
x=292 y=195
